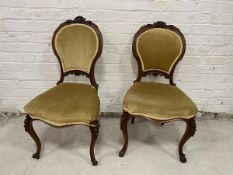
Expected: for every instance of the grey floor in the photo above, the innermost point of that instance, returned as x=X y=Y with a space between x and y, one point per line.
x=152 y=149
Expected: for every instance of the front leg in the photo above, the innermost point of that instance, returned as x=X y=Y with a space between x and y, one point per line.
x=94 y=134
x=124 y=122
x=29 y=128
x=189 y=132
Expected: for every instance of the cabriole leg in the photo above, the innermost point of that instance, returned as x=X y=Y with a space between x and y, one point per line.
x=124 y=122
x=94 y=135
x=189 y=132
x=29 y=128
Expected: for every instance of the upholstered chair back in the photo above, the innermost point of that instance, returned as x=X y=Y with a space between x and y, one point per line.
x=158 y=47
x=77 y=46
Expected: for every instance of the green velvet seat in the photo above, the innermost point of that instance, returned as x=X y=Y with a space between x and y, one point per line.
x=158 y=101
x=65 y=104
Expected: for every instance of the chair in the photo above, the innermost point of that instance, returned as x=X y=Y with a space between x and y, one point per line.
x=157 y=49
x=77 y=44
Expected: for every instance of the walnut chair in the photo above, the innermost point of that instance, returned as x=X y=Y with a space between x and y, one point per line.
x=157 y=49
x=77 y=44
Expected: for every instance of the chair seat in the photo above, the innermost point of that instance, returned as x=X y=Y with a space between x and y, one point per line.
x=158 y=101
x=65 y=104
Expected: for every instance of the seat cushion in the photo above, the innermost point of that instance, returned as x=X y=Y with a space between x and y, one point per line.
x=67 y=103
x=158 y=101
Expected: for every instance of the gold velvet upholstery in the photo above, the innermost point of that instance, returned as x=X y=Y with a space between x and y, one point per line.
x=67 y=103
x=158 y=101
x=76 y=45
x=158 y=49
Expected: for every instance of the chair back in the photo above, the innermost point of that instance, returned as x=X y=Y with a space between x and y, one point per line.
x=77 y=44
x=158 y=48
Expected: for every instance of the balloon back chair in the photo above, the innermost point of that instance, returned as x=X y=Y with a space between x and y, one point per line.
x=77 y=44
x=157 y=49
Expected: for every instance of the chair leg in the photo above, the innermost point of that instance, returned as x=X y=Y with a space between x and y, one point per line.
x=29 y=128
x=189 y=132
x=124 y=122
x=94 y=135
x=133 y=120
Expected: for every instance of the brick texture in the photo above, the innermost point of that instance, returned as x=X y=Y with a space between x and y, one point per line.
x=28 y=66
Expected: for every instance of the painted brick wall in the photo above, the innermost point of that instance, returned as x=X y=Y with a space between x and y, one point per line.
x=28 y=66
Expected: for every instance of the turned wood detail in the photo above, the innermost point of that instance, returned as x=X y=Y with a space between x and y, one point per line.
x=189 y=132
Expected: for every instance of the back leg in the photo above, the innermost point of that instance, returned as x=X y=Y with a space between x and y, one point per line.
x=133 y=120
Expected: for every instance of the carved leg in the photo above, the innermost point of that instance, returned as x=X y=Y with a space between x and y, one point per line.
x=29 y=128
x=132 y=120
x=124 y=121
x=190 y=131
x=94 y=135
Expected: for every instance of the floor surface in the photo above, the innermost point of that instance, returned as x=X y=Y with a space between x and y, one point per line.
x=152 y=149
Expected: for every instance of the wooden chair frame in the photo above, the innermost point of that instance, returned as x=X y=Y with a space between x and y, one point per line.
x=94 y=125
x=190 y=123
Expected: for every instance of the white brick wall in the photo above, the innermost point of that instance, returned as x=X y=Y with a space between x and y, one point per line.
x=28 y=66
